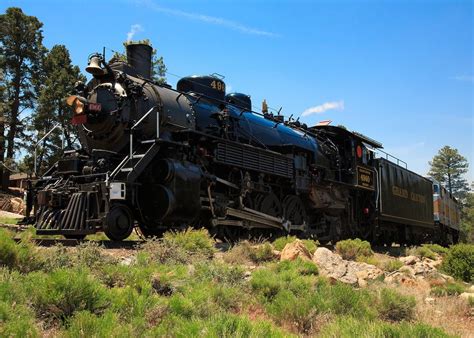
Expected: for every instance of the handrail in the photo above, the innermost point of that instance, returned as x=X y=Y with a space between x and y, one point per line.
x=388 y=156
x=138 y=123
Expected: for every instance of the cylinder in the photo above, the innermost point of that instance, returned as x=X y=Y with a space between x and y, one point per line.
x=139 y=57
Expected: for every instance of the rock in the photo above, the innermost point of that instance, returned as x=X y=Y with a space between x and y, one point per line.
x=349 y=272
x=429 y=300
x=276 y=254
x=127 y=261
x=466 y=295
x=397 y=277
x=293 y=250
x=409 y=260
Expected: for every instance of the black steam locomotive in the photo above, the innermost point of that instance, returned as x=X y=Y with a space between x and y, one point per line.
x=159 y=158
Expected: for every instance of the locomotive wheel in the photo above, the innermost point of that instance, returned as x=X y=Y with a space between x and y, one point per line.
x=119 y=223
x=295 y=211
x=269 y=204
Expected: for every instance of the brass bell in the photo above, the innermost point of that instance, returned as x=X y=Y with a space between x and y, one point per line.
x=94 y=66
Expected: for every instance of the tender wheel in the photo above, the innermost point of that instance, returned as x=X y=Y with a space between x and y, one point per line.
x=119 y=223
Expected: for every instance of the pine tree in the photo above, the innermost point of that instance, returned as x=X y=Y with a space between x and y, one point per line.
x=448 y=167
x=59 y=79
x=467 y=219
x=21 y=50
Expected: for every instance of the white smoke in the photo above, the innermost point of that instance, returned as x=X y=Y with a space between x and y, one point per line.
x=334 y=105
x=134 y=29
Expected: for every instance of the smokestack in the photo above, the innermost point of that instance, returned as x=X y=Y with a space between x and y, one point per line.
x=139 y=57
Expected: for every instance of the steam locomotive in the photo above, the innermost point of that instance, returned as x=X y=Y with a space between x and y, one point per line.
x=158 y=158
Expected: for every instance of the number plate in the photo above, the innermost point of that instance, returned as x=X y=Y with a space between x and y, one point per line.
x=95 y=107
x=365 y=178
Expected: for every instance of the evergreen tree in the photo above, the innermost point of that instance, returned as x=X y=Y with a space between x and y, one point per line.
x=448 y=167
x=21 y=50
x=467 y=218
x=59 y=79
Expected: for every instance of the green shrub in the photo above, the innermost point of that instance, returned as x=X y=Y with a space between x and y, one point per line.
x=57 y=257
x=448 y=289
x=396 y=307
x=64 y=291
x=351 y=327
x=91 y=254
x=342 y=299
x=422 y=251
x=353 y=248
x=261 y=253
x=86 y=324
x=8 y=250
x=16 y=320
x=299 y=266
x=218 y=325
x=193 y=241
x=220 y=273
x=22 y=256
x=281 y=242
x=436 y=248
x=372 y=260
x=182 y=247
x=392 y=265
x=459 y=262
x=132 y=305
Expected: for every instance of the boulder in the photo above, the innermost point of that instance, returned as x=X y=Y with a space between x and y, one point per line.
x=466 y=295
x=334 y=267
x=293 y=250
x=409 y=260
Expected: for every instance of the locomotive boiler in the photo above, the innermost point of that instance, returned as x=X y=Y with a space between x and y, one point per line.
x=157 y=158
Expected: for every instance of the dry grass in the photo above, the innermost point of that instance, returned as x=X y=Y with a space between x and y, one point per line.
x=452 y=314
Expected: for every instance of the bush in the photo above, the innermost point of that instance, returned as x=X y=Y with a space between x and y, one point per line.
x=353 y=248
x=63 y=292
x=392 y=265
x=342 y=299
x=219 y=325
x=16 y=320
x=261 y=253
x=459 y=262
x=193 y=241
x=396 y=307
x=22 y=256
x=281 y=242
x=351 y=327
x=220 y=273
x=436 y=248
x=86 y=324
x=422 y=252
x=182 y=247
x=448 y=289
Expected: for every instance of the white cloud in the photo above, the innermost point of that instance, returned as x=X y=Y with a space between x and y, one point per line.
x=465 y=78
x=207 y=19
x=334 y=105
x=134 y=29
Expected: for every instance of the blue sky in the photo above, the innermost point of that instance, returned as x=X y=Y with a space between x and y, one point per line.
x=400 y=72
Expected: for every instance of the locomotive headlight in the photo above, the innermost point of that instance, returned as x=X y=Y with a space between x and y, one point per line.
x=78 y=107
x=77 y=103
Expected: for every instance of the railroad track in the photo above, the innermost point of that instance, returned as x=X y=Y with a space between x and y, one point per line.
x=48 y=242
